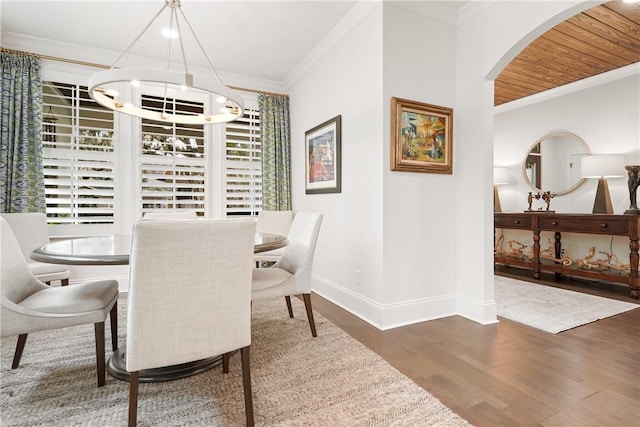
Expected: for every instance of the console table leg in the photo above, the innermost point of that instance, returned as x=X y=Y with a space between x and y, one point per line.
x=536 y=254
x=634 y=258
x=558 y=250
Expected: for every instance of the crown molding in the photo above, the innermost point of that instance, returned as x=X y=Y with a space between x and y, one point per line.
x=358 y=12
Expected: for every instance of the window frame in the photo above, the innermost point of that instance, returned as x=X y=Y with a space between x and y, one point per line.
x=126 y=128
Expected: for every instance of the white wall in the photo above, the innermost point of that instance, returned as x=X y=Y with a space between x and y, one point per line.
x=486 y=42
x=422 y=242
x=419 y=229
x=346 y=80
x=604 y=116
x=391 y=227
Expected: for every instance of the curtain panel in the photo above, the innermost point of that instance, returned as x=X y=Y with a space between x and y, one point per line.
x=21 y=167
x=275 y=135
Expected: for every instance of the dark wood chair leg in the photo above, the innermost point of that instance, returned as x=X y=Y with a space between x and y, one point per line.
x=307 y=305
x=288 y=300
x=133 y=398
x=99 y=331
x=246 y=384
x=113 y=316
x=22 y=339
x=64 y=282
x=225 y=362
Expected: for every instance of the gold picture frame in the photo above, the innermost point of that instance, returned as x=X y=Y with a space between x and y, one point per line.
x=421 y=137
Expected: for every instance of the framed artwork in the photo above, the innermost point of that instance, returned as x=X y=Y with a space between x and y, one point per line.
x=323 y=157
x=421 y=137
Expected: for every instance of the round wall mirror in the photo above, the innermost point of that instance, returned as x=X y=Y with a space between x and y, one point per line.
x=552 y=163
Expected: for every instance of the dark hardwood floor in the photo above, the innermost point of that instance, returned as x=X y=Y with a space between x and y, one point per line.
x=508 y=374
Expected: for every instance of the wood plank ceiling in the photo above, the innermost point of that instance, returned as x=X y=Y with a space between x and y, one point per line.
x=597 y=40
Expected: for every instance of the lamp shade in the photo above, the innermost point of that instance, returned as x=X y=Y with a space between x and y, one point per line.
x=602 y=166
x=500 y=175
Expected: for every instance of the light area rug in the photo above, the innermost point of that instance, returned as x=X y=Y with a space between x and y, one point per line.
x=297 y=380
x=551 y=309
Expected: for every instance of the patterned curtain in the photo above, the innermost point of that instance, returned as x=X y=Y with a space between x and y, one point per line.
x=21 y=170
x=276 y=152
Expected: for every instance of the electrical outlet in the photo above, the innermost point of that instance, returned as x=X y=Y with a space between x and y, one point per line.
x=357 y=277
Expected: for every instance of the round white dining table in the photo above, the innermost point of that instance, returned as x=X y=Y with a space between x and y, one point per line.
x=114 y=250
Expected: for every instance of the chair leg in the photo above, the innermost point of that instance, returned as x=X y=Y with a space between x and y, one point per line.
x=22 y=339
x=99 y=332
x=307 y=305
x=64 y=282
x=288 y=300
x=225 y=362
x=246 y=384
x=133 y=398
x=113 y=316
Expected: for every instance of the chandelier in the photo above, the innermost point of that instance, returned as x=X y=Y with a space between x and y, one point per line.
x=103 y=86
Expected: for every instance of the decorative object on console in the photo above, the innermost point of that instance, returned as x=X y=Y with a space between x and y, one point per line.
x=516 y=249
x=633 y=182
x=103 y=86
x=549 y=253
x=546 y=196
x=500 y=177
x=602 y=166
x=612 y=262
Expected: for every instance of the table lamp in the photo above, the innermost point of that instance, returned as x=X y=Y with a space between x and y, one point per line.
x=500 y=177
x=602 y=166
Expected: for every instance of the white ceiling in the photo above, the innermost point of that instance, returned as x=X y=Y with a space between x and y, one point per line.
x=263 y=39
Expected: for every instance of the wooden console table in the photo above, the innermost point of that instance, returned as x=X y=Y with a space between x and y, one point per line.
x=614 y=225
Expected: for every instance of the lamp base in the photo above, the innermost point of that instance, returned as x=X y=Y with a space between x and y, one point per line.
x=602 y=204
x=632 y=212
x=496 y=200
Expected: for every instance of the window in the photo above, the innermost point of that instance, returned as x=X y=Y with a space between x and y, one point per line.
x=243 y=166
x=78 y=156
x=104 y=170
x=172 y=161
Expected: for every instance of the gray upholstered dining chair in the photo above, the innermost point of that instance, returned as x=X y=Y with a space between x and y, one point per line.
x=291 y=275
x=29 y=305
x=30 y=228
x=276 y=222
x=189 y=297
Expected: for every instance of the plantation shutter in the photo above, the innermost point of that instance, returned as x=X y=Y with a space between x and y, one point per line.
x=78 y=156
x=172 y=164
x=243 y=167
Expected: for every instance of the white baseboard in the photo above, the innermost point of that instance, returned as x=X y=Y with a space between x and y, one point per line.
x=389 y=316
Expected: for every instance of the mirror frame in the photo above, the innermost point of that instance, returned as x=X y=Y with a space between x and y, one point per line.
x=538 y=141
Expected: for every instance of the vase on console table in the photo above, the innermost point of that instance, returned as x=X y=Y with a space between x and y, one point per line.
x=633 y=182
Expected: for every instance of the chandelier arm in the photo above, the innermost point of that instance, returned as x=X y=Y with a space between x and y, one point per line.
x=200 y=45
x=184 y=56
x=173 y=15
x=139 y=35
x=101 y=84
